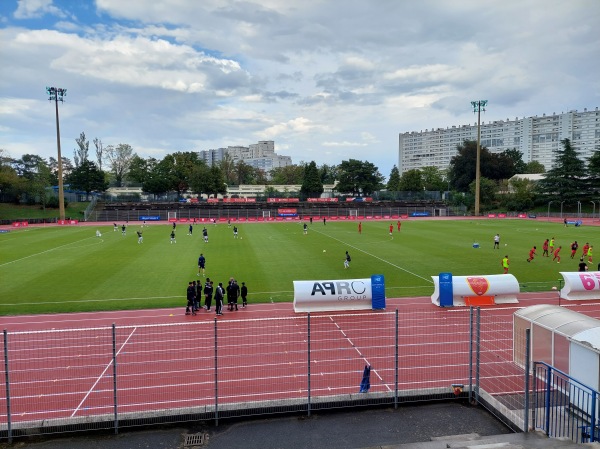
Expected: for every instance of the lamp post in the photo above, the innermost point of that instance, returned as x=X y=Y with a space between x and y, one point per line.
x=549 y=209
x=478 y=106
x=593 y=213
x=57 y=94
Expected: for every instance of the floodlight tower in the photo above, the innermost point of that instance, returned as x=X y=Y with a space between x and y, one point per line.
x=478 y=106
x=57 y=94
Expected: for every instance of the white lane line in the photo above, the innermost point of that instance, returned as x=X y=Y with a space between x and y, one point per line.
x=102 y=375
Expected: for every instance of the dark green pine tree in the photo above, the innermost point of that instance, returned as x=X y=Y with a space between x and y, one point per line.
x=568 y=180
x=594 y=173
x=312 y=187
x=393 y=184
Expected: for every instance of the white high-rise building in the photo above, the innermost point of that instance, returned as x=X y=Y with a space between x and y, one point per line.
x=536 y=137
x=258 y=155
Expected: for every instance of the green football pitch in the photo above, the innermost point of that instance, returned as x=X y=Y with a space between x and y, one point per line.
x=67 y=269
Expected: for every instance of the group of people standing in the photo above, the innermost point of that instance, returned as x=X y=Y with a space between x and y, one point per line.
x=233 y=292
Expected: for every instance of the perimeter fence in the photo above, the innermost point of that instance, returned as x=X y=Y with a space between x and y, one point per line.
x=58 y=381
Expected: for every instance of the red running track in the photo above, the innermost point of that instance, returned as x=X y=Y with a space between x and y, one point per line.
x=60 y=365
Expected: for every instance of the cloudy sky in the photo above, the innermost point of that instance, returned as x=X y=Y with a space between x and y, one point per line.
x=327 y=80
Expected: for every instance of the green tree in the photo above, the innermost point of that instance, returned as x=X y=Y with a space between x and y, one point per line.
x=67 y=168
x=158 y=179
x=88 y=178
x=201 y=181
x=329 y=173
x=181 y=166
x=119 y=158
x=217 y=181
x=488 y=189
x=522 y=195
x=312 y=186
x=227 y=167
x=359 y=178
x=288 y=175
x=534 y=167
x=492 y=166
x=594 y=172
x=567 y=180
x=411 y=181
x=10 y=182
x=433 y=179
x=80 y=154
x=517 y=160
x=244 y=173
x=139 y=168
x=393 y=184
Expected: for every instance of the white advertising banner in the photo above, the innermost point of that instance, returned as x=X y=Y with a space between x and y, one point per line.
x=333 y=295
x=581 y=285
x=503 y=288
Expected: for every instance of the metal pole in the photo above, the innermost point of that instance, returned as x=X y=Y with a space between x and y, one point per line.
x=115 y=404
x=470 y=354
x=477 y=361
x=477 y=107
x=396 y=365
x=216 y=380
x=7 y=384
x=478 y=162
x=527 y=373
x=308 y=354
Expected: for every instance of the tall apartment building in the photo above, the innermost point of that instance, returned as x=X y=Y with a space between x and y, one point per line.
x=259 y=155
x=536 y=137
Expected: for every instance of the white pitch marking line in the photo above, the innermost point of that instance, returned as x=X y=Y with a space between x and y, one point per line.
x=102 y=375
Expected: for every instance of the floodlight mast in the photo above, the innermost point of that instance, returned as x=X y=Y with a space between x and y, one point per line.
x=478 y=106
x=57 y=94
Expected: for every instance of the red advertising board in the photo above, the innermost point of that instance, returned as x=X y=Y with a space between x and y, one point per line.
x=283 y=200
x=287 y=211
x=322 y=200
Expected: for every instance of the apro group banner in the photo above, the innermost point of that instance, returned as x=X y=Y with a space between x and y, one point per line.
x=339 y=295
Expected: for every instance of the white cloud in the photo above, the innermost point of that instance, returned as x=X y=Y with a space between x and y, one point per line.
x=322 y=81
x=28 y=9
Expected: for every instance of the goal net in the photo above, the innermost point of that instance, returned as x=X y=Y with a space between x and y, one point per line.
x=266 y=214
x=353 y=212
x=172 y=215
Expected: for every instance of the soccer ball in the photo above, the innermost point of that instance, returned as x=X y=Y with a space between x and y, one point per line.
x=323 y=250
x=241 y=238
x=553 y=288
x=506 y=244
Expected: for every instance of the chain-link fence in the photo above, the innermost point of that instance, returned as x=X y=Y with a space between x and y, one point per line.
x=60 y=381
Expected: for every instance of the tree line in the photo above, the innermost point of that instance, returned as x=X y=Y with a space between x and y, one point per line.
x=568 y=181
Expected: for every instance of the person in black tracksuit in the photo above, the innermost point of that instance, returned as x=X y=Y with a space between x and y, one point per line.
x=191 y=297
x=219 y=293
x=244 y=293
x=208 y=294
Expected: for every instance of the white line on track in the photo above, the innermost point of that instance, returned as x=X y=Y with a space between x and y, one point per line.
x=357 y=350
x=376 y=257
x=102 y=375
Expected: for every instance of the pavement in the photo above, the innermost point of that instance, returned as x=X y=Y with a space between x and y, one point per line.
x=438 y=425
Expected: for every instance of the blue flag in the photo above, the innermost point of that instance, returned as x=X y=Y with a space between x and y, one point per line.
x=365 y=383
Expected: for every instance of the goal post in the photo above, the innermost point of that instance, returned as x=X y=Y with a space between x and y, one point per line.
x=172 y=215
x=353 y=212
x=266 y=213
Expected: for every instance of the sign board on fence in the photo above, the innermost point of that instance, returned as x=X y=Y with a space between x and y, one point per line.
x=339 y=295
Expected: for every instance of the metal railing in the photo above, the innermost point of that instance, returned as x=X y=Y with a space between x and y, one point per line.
x=563 y=407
